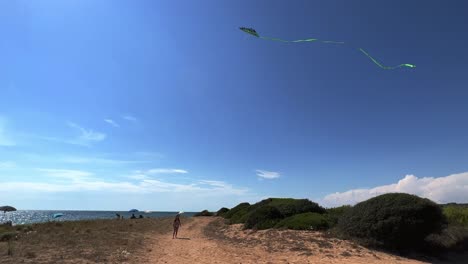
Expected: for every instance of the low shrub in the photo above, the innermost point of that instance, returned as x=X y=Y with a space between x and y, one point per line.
x=305 y=221
x=263 y=218
x=222 y=211
x=334 y=214
x=204 y=213
x=452 y=238
x=456 y=215
x=394 y=220
x=238 y=214
x=290 y=206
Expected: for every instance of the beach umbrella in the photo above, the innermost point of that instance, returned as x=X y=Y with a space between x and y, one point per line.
x=7 y=208
x=133 y=211
x=181 y=212
x=57 y=215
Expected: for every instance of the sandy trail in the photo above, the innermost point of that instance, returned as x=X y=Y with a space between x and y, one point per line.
x=195 y=246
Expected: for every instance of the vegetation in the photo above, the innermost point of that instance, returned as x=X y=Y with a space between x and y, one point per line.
x=274 y=210
x=391 y=221
x=90 y=241
x=452 y=238
x=305 y=221
x=456 y=215
x=238 y=214
x=222 y=211
x=263 y=217
x=204 y=213
x=290 y=206
x=334 y=214
x=395 y=220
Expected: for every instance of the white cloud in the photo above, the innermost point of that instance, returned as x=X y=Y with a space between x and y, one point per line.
x=145 y=175
x=166 y=171
x=69 y=187
x=451 y=188
x=7 y=165
x=130 y=118
x=86 y=136
x=268 y=174
x=76 y=181
x=5 y=140
x=74 y=175
x=139 y=177
x=82 y=160
x=223 y=187
x=111 y=122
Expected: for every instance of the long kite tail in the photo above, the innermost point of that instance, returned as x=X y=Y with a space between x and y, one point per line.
x=302 y=40
x=386 y=67
x=291 y=41
x=252 y=31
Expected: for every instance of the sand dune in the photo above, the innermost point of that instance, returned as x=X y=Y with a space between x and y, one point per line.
x=208 y=240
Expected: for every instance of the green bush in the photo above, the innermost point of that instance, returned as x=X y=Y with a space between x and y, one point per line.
x=334 y=214
x=290 y=206
x=204 y=213
x=394 y=220
x=452 y=238
x=305 y=221
x=238 y=214
x=222 y=211
x=263 y=217
x=456 y=215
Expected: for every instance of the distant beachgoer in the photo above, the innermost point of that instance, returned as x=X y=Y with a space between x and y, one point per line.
x=176 y=225
x=133 y=216
x=141 y=216
x=117 y=215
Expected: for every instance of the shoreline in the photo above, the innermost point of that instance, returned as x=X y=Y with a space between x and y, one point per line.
x=25 y=217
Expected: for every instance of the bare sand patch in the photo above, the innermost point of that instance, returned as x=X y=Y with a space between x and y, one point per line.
x=209 y=240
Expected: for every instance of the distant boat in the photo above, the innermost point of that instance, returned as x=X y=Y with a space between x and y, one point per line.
x=133 y=211
x=148 y=212
x=57 y=215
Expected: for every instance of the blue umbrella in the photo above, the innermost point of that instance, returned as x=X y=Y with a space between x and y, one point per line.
x=133 y=211
x=57 y=215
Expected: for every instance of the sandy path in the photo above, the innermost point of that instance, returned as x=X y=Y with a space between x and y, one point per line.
x=194 y=246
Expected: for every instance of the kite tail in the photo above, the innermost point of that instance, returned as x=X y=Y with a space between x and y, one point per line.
x=337 y=42
x=386 y=67
x=274 y=39
x=301 y=40
x=332 y=42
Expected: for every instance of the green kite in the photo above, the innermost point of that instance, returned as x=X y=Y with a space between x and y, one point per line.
x=254 y=33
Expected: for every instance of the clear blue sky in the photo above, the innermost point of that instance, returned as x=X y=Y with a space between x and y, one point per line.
x=198 y=111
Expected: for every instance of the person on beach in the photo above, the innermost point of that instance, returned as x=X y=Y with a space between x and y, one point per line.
x=176 y=225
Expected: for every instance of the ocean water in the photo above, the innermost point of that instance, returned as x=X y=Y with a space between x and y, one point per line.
x=22 y=217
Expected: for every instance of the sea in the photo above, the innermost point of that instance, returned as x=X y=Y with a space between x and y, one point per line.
x=22 y=217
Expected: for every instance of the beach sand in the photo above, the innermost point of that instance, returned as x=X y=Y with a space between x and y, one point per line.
x=209 y=240
x=201 y=240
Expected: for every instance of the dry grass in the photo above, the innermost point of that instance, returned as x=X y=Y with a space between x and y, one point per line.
x=96 y=241
x=275 y=240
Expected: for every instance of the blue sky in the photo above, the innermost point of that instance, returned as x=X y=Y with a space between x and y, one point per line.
x=167 y=105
